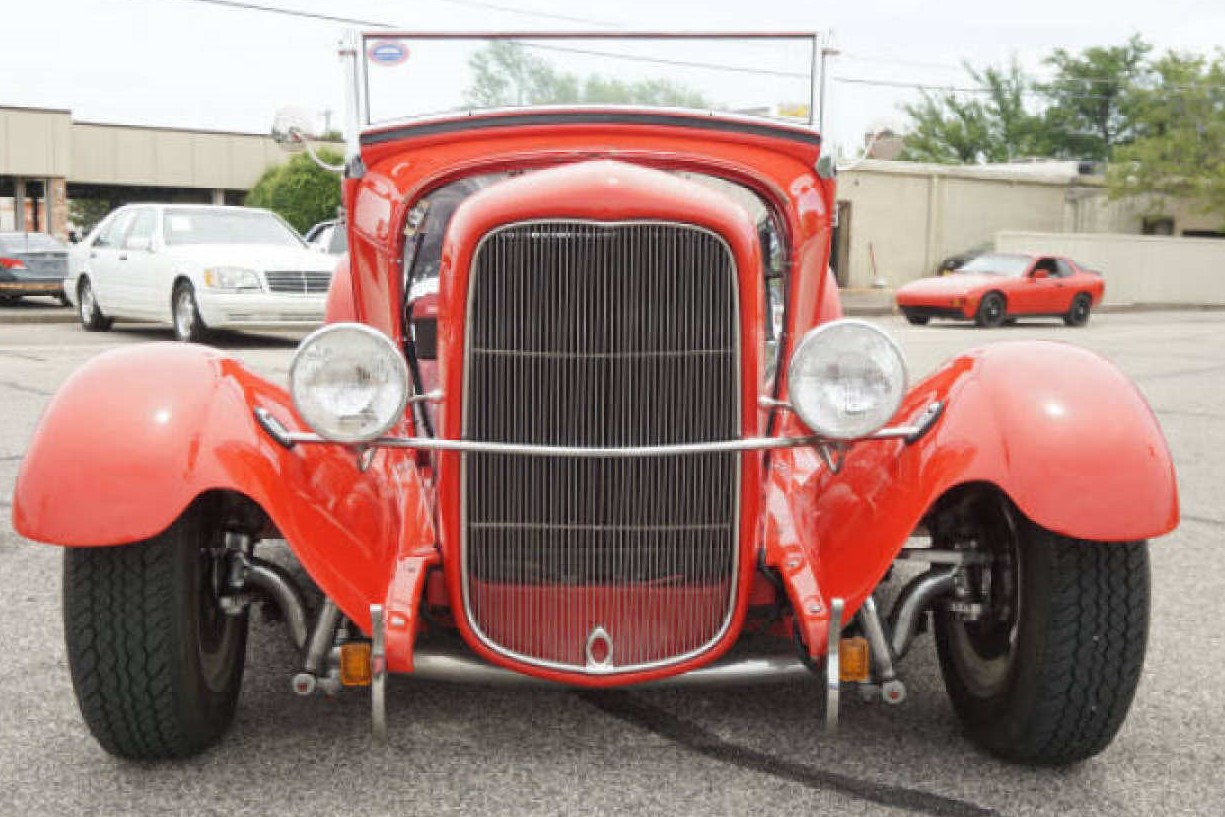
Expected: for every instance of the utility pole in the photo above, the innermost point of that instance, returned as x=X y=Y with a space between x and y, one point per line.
x=827 y=50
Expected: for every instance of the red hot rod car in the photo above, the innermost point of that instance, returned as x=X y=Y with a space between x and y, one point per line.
x=996 y=287
x=587 y=413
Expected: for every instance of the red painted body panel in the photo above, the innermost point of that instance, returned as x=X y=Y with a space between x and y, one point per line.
x=1025 y=295
x=339 y=307
x=1024 y=416
x=181 y=425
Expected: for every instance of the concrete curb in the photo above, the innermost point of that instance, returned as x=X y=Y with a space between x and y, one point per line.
x=65 y=315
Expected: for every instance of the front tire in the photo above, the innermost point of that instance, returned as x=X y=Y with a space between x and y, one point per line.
x=185 y=314
x=992 y=311
x=92 y=319
x=156 y=665
x=916 y=320
x=1078 y=313
x=1050 y=680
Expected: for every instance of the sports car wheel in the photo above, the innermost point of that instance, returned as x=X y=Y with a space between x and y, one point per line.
x=188 y=327
x=992 y=310
x=1042 y=647
x=92 y=319
x=916 y=320
x=156 y=664
x=1078 y=312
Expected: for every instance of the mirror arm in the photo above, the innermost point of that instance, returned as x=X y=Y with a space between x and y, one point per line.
x=310 y=150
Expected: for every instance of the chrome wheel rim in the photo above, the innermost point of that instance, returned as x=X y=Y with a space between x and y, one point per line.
x=184 y=314
x=994 y=309
x=1080 y=310
x=985 y=651
x=87 y=302
x=217 y=632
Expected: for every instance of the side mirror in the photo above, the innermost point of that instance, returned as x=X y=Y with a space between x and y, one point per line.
x=1039 y=274
x=293 y=130
x=291 y=127
x=140 y=243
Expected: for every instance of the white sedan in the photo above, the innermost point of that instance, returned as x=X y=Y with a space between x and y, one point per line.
x=197 y=268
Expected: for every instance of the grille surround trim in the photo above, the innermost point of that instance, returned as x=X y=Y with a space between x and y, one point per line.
x=735 y=575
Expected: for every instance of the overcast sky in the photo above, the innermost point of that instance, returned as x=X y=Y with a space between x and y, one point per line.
x=191 y=64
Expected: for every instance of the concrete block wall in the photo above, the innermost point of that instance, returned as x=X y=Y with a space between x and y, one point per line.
x=1139 y=270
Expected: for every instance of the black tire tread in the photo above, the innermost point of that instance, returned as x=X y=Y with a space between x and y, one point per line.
x=123 y=629
x=1080 y=656
x=1095 y=641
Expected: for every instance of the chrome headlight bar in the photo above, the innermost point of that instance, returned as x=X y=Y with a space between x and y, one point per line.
x=909 y=433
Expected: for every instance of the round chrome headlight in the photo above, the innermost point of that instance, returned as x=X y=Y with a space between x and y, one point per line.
x=349 y=382
x=846 y=380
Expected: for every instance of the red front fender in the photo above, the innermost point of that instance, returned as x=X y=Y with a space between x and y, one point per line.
x=1058 y=429
x=134 y=436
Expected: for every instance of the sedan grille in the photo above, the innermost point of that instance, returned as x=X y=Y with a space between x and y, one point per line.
x=299 y=283
x=601 y=335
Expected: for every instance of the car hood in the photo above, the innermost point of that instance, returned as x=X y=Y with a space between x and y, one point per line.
x=261 y=257
x=955 y=284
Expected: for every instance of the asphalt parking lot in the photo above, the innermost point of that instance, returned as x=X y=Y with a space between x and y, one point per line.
x=758 y=750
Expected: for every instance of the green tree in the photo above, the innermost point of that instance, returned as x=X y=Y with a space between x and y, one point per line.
x=505 y=74
x=300 y=191
x=1179 y=146
x=1091 y=99
x=85 y=213
x=994 y=124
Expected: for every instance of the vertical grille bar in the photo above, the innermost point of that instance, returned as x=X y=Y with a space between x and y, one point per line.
x=594 y=334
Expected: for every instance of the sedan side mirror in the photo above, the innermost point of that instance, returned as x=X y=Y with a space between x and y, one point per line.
x=1039 y=274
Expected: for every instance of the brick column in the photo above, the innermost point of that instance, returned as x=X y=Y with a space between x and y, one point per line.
x=57 y=207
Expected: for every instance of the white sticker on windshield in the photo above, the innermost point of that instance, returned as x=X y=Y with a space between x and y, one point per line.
x=178 y=224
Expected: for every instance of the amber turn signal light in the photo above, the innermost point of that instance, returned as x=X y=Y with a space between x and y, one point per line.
x=355 y=664
x=853 y=661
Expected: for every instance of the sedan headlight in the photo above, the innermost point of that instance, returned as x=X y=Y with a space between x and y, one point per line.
x=349 y=382
x=235 y=278
x=847 y=379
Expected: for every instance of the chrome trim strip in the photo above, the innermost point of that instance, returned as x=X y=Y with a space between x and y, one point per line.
x=458 y=665
x=746 y=444
x=833 y=668
x=378 y=673
x=530 y=450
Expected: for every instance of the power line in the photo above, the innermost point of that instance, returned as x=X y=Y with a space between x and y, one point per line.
x=736 y=69
x=543 y=15
x=239 y=4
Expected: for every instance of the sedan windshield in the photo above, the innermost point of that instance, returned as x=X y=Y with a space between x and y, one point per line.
x=1011 y=266
x=234 y=225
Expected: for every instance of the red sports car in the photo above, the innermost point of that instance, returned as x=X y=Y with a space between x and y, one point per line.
x=997 y=287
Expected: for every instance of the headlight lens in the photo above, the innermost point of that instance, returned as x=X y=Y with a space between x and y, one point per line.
x=349 y=382
x=231 y=278
x=847 y=379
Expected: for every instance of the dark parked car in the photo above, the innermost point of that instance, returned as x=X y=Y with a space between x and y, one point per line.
x=32 y=264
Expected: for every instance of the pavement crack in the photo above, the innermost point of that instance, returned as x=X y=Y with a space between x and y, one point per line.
x=633 y=710
x=22 y=356
x=1203 y=520
x=8 y=384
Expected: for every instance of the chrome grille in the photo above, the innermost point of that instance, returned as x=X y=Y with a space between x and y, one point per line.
x=601 y=335
x=299 y=282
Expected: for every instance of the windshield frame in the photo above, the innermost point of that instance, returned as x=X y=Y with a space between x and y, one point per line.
x=354 y=50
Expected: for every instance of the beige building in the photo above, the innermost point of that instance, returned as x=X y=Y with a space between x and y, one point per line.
x=46 y=158
x=898 y=220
